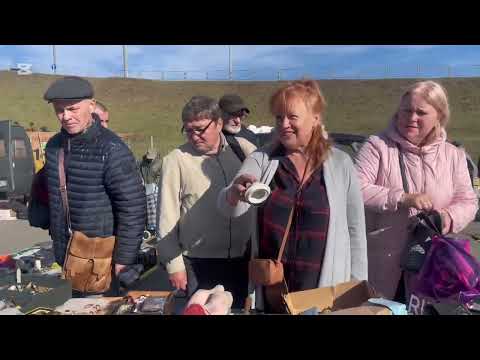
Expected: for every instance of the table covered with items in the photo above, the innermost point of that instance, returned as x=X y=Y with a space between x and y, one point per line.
x=31 y=284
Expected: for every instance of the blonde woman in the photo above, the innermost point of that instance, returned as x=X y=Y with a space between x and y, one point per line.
x=436 y=175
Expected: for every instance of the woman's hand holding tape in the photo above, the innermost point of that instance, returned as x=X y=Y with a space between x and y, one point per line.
x=238 y=188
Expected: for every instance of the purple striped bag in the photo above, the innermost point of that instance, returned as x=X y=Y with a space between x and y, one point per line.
x=449 y=274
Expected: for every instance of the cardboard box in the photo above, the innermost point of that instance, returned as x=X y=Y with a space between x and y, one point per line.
x=348 y=298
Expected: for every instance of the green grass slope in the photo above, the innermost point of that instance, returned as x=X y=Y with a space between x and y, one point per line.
x=150 y=107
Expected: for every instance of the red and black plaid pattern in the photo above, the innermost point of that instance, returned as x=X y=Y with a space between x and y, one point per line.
x=305 y=248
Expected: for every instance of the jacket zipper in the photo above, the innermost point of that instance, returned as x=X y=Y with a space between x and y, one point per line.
x=423 y=172
x=230 y=218
x=67 y=160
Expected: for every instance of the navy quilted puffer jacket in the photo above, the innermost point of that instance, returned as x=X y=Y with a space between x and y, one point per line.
x=105 y=193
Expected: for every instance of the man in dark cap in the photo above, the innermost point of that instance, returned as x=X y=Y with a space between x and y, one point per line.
x=104 y=191
x=234 y=111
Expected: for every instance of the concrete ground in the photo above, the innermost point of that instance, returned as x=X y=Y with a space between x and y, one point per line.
x=16 y=235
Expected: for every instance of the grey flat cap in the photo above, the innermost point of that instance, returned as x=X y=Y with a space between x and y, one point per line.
x=69 y=88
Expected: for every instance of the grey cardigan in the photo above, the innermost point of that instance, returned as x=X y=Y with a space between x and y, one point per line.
x=346 y=249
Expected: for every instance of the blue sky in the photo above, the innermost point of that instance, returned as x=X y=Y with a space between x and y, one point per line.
x=250 y=62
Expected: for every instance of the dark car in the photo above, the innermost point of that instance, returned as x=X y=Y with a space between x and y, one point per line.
x=350 y=143
x=16 y=165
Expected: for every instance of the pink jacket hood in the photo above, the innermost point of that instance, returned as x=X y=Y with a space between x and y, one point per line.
x=392 y=133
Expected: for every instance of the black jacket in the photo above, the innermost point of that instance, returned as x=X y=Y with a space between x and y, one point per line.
x=105 y=192
x=244 y=133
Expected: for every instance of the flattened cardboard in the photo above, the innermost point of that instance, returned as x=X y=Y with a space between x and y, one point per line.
x=342 y=296
x=363 y=310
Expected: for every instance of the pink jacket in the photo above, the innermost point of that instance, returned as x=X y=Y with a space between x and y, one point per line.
x=438 y=169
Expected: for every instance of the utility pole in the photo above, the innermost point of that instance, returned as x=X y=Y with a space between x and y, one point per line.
x=125 y=61
x=230 y=62
x=54 y=65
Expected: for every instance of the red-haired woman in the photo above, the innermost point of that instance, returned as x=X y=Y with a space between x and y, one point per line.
x=326 y=242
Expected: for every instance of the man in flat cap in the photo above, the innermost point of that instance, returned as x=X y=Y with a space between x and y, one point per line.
x=104 y=197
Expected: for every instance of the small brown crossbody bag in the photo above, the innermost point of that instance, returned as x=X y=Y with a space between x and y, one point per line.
x=88 y=260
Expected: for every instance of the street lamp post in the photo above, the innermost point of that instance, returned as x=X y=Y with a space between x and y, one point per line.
x=125 y=61
x=230 y=62
x=54 y=65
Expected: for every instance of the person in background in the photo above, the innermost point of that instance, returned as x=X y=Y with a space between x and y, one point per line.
x=102 y=112
x=150 y=168
x=234 y=112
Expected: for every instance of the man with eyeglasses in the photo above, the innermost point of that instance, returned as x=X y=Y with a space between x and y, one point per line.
x=199 y=247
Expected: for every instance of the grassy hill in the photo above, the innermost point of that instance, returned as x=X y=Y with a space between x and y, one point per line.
x=152 y=107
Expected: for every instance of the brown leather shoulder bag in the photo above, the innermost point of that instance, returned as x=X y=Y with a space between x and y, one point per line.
x=267 y=272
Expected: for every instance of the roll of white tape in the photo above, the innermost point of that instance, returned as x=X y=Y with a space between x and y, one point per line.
x=257 y=193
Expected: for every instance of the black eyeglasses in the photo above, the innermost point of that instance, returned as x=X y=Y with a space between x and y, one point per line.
x=199 y=132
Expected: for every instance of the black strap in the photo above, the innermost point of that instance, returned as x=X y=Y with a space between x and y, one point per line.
x=235 y=145
x=402 y=169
